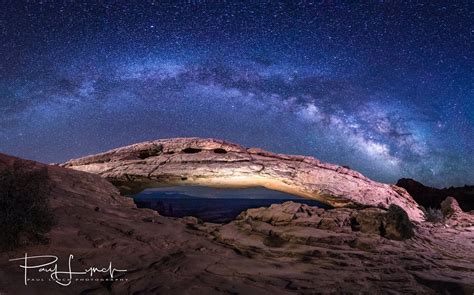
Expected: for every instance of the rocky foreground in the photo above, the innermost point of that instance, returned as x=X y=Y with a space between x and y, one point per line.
x=284 y=249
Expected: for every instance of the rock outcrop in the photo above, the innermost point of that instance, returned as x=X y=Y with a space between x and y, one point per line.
x=450 y=207
x=392 y=224
x=454 y=215
x=216 y=163
x=347 y=250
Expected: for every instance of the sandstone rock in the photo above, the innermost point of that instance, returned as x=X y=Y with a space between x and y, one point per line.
x=216 y=163
x=405 y=266
x=369 y=221
x=450 y=207
x=393 y=224
x=275 y=214
x=246 y=256
x=397 y=225
x=454 y=216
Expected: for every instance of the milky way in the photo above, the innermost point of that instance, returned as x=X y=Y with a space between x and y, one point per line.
x=386 y=89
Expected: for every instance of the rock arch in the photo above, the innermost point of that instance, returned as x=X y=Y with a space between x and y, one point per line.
x=217 y=163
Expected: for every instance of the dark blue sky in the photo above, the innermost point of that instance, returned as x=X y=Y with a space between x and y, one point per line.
x=385 y=88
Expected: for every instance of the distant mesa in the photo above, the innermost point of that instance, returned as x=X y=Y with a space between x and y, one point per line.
x=217 y=163
x=430 y=197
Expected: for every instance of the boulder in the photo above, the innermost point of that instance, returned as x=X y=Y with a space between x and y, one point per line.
x=393 y=224
x=454 y=215
x=369 y=220
x=397 y=225
x=450 y=206
x=275 y=214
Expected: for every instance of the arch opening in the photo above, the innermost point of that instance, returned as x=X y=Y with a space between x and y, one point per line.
x=190 y=150
x=218 y=205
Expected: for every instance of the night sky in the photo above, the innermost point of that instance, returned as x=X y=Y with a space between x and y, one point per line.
x=385 y=88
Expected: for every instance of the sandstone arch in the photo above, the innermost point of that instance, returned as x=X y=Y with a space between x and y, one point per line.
x=216 y=163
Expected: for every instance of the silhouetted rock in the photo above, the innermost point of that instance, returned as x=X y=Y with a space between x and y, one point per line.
x=430 y=197
x=25 y=216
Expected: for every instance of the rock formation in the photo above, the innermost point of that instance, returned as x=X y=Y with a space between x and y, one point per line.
x=345 y=246
x=430 y=197
x=284 y=249
x=454 y=215
x=216 y=163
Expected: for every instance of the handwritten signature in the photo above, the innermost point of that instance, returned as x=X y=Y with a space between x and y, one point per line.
x=63 y=278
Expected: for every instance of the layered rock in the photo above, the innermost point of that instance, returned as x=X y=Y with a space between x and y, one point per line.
x=392 y=224
x=216 y=163
x=352 y=251
x=454 y=215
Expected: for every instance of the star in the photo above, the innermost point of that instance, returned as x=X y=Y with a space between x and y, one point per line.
x=385 y=89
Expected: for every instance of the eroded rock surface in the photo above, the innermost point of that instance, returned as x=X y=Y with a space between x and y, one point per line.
x=348 y=250
x=285 y=249
x=453 y=214
x=210 y=162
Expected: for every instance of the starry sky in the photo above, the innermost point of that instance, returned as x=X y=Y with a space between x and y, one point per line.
x=384 y=88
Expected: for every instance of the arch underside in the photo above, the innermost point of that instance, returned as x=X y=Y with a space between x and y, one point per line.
x=231 y=182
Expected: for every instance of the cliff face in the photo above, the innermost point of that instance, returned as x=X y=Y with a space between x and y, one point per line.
x=430 y=197
x=284 y=249
x=210 y=162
